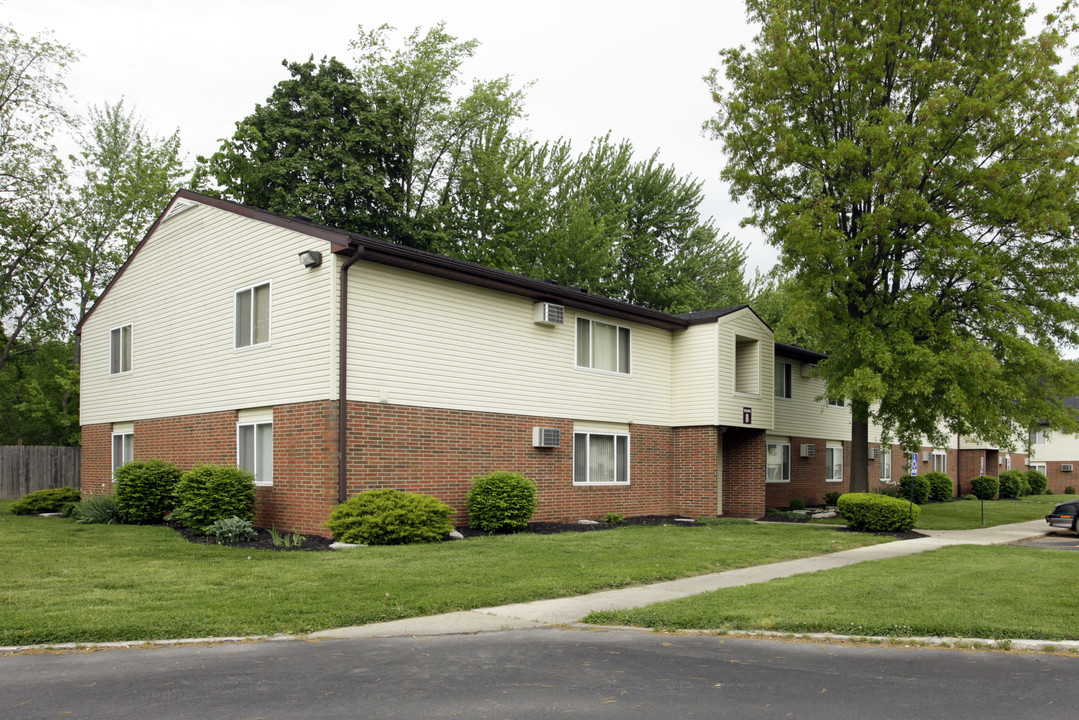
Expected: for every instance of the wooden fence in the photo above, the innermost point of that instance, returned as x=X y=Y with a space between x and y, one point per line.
x=26 y=468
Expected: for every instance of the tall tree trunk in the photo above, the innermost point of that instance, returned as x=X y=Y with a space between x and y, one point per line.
x=859 y=447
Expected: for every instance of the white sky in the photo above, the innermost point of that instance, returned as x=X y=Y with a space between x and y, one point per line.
x=633 y=68
x=629 y=67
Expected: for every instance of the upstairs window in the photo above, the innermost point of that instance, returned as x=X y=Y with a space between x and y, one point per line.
x=835 y=403
x=602 y=346
x=253 y=316
x=783 y=379
x=1039 y=437
x=120 y=350
x=747 y=365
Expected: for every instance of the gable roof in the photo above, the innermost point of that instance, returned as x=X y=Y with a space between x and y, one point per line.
x=371 y=249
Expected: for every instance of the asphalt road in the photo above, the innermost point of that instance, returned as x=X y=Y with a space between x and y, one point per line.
x=538 y=674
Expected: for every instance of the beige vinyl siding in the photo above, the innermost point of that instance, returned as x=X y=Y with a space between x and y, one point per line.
x=803 y=415
x=694 y=371
x=1061 y=447
x=730 y=402
x=179 y=294
x=425 y=341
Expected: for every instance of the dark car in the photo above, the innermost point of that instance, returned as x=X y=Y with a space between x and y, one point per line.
x=1065 y=515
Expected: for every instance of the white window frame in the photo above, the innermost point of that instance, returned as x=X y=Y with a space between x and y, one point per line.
x=836 y=403
x=589 y=346
x=619 y=439
x=1039 y=437
x=784 y=464
x=1007 y=462
x=1040 y=467
x=127 y=450
x=886 y=463
x=255 y=467
x=238 y=343
x=116 y=364
x=830 y=451
x=940 y=461
x=784 y=373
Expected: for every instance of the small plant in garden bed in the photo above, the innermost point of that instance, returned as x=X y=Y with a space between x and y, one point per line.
x=44 y=501
x=285 y=540
x=232 y=530
x=797 y=504
x=97 y=509
x=501 y=501
x=613 y=519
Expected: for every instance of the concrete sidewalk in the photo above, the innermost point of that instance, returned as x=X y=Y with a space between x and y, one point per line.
x=566 y=611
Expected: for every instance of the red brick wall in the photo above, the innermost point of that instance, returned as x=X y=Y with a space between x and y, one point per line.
x=1058 y=479
x=695 y=472
x=96 y=459
x=743 y=472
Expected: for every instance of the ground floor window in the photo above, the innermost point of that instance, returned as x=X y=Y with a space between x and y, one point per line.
x=600 y=458
x=1040 y=467
x=1007 y=462
x=254 y=450
x=779 y=462
x=123 y=450
x=833 y=463
x=940 y=461
x=886 y=463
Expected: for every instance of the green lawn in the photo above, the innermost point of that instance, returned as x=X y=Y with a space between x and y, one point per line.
x=63 y=582
x=960 y=591
x=967 y=514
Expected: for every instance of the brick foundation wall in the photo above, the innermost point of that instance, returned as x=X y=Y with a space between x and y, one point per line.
x=1058 y=479
x=695 y=471
x=743 y=473
x=96 y=470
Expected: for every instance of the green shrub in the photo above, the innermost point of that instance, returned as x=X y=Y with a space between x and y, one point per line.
x=1011 y=483
x=144 y=490
x=970 y=496
x=97 y=510
x=500 y=501
x=45 y=501
x=1069 y=490
x=232 y=530
x=985 y=487
x=873 y=512
x=831 y=498
x=921 y=489
x=1037 y=481
x=797 y=504
x=208 y=493
x=891 y=490
x=390 y=517
x=941 y=488
x=613 y=519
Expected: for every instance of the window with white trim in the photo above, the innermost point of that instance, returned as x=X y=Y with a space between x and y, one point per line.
x=835 y=403
x=600 y=458
x=778 y=462
x=1040 y=467
x=120 y=350
x=253 y=315
x=833 y=463
x=747 y=364
x=1007 y=462
x=886 y=462
x=254 y=450
x=1039 y=437
x=940 y=461
x=123 y=450
x=783 y=379
x=603 y=346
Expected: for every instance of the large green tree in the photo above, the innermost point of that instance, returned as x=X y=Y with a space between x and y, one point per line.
x=915 y=165
x=320 y=146
x=33 y=250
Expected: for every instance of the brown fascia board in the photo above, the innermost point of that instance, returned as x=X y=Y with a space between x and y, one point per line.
x=798 y=353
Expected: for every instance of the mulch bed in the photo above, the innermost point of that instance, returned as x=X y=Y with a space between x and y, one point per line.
x=264 y=541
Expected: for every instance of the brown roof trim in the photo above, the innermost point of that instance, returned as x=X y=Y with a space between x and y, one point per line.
x=798 y=353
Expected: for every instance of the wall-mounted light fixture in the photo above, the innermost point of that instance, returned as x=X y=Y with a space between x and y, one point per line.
x=311 y=258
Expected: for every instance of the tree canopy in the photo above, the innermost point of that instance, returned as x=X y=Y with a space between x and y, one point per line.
x=915 y=165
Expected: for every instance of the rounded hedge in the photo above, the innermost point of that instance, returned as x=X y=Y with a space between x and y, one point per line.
x=390 y=517
x=1011 y=484
x=500 y=501
x=144 y=490
x=797 y=504
x=208 y=493
x=1037 y=481
x=985 y=487
x=873 y=512
x=921 y=488
x=941 y=488
x=44 y=501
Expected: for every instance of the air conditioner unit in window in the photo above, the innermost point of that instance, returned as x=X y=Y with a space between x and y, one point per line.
x=546 y=437
x=547 y=313
x=809 y=451
x=874 y=453
x=1067 y=467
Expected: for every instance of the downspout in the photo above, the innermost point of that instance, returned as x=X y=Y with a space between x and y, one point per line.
x=342 y=379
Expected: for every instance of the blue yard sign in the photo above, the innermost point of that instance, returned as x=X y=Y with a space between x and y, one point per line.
x=914 y=464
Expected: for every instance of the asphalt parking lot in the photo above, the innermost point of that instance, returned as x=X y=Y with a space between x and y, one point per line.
x=1055 y=540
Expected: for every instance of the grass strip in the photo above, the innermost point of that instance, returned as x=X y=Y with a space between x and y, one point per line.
x=64 y=582
x=961 y=591
x=967 y=514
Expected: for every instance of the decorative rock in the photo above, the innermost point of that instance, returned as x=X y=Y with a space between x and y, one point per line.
x=50 y=514
x=685 y=520
x=587 y=522
x=820 y=515
x=456 y=536
x=344 y=546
